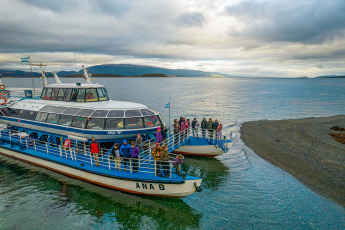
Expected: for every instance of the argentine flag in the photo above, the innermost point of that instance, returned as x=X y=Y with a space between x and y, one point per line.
x=167 y=105
x=26 y=59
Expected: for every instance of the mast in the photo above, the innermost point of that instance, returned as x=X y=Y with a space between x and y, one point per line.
x=57 y=79
x=86 y=76
x=44 y=79
x=32 y=78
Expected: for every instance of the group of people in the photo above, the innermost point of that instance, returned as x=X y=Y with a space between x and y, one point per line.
x=128 y=154
x=210 y=126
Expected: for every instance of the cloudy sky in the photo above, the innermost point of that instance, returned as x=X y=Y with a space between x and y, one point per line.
x=272 y=38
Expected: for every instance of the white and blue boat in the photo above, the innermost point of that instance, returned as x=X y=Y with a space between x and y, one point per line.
x=34 y=129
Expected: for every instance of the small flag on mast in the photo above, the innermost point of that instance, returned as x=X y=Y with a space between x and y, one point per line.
x=26 y=59
x=167 y=105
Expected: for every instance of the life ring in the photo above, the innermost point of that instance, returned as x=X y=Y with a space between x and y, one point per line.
x=2 y=86
x=4 y=100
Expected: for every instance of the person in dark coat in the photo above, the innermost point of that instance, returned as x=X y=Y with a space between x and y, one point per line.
x=209 y=127
x=164 y=132
x=203 y=127
x=135 y=156
x=165 y=161
x=125 y=151
x=215 y=124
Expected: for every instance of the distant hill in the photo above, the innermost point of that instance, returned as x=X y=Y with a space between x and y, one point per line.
x=123 y=70
x=332 y=76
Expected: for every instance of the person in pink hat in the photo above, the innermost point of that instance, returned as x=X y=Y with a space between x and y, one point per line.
x=159 y=136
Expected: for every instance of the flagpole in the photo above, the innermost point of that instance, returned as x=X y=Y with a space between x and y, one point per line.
x=32 y=78
x=169 y=117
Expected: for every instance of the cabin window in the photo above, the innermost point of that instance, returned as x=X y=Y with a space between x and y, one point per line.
x=134 y=123
x=53 y=118
x=95 y=123
x=59 y=109
x=85 y=112
x=41 y=117
x=71 y=111
x=81 y=95
x=48 y=94
x=54 y=95
x=79 y=122
x=146 y=112
x=114 y=123
x=14 y=112
x=102 y=94
x=151 y=121
x=116 y=113
x=65 y=120
x=61 y=95
x=74 y=94
x=43 y=92
x=133 y=113
x=47 y=108
x=100 y=113
x=67 y=96
x=26 y=114
x=91 y=95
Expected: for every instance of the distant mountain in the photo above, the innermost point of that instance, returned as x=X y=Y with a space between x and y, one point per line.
x=124 y=70
x=332 y=76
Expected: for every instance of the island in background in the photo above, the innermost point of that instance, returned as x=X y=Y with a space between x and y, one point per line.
x=304 y=148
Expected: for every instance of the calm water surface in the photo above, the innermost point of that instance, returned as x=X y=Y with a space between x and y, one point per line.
x=240 y=189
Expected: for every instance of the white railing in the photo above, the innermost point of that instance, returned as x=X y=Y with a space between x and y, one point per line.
x=132 y=165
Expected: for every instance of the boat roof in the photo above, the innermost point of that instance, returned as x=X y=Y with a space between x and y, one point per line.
x=74 y=85
x=31 y=104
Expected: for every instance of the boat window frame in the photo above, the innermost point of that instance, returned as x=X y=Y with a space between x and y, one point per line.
x=119 y=118
x=43 y=109
x=141 y=110
x=61 y=98
x=79 y=95
x=149 y=126
x=136 y=127
x=39 y=114
x=130 y=115
x=65 y=115
x=83 y=114
x=58 y=107
x=81 y=118
x=116 y=116
x=96 y=98
x=57 y=120
x=104 y=93
x=95 y=118
x=73 y=114
x=48 y=94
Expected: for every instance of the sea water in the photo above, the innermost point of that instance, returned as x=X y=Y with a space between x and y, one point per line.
x=240 y=190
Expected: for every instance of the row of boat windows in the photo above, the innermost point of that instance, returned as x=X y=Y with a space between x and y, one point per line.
x=85 y=122
x=96 y=113
x=75 y=94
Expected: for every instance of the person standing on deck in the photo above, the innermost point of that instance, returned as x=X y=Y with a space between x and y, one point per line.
x=176 y=132
x=159 y=137
x=177 y=163
x=115 y=153
x=135 y=156
x=165 y=160
x=94 y=149
x=195 y=126
x=156 y=154
x=219 y=131
x=180 y=121
x=215 y=126
x=125 y=151
x=139 y=143
x=209 y=127
x=203 y=127
x=164 y=134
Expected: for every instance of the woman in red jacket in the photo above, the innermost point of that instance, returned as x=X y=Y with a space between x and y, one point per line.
x=94 y=149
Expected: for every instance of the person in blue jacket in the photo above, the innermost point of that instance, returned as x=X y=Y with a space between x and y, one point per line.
x=125 y=151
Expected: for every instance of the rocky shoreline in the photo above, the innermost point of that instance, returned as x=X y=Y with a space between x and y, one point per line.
x=305 y=149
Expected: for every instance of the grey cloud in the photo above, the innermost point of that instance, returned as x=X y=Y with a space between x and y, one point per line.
x=191 y=19
x=308 y=22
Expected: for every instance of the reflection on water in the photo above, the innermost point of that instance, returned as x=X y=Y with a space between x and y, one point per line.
x=240 y=190
x=65 y=196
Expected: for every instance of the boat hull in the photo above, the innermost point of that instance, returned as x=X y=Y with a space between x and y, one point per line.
x=201 y=149
x=131 y=186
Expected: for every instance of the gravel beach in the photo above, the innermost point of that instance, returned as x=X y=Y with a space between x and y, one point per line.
x=305 y=149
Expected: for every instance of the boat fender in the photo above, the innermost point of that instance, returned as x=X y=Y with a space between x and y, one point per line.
x=197 y=188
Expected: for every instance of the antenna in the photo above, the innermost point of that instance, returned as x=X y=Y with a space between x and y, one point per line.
x=42 y=72
x=87 y=76
x=85 y=54
x=75 y=59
